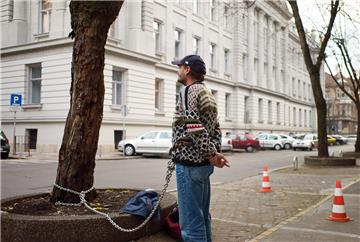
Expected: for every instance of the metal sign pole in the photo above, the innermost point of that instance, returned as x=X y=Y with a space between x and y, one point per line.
x=14 y=133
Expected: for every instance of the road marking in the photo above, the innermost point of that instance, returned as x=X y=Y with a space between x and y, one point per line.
x=242 y=223
x=283 y=223
x=319 y=231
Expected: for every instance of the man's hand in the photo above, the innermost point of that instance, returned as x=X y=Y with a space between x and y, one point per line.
x=219 y=160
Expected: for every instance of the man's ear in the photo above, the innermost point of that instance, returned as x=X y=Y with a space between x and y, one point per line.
x=187 y=70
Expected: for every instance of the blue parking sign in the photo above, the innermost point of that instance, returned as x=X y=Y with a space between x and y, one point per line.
x=15 y=99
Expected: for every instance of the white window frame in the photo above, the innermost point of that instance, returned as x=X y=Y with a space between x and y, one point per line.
x=45 y=15
x=226 y=61
x=195 y=5
x=227 y=105
x=31 y=81
x=115 y=84
x=261 y=110
x=158 y=35
x=196 y=45
x=212 y=10
x=177 y=43
x=227 y=15
x=212 y=52
x=270 y=111
x=159 y=95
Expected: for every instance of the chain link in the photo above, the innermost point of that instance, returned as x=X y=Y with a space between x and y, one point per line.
x=170 y=169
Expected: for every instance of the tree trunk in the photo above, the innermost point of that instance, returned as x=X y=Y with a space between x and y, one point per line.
x=357 y=143
x=90 y=21
x=321 y=113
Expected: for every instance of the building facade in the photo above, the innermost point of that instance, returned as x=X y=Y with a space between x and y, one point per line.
x=254 y=67
x=341 y=110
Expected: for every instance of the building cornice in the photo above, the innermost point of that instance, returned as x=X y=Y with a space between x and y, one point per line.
x=110 y=47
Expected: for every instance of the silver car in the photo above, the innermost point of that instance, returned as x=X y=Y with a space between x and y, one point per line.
x=273 y=141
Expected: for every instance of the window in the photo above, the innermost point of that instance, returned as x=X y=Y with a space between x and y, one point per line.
x=226 y=60
x=212 y=10
x=310 y=119
x=244 y=62
x=45 y=16
x=227 y=105
x=256 y=74
x=247 y=109
x=261 y=120
x=159 y=94
x=212 y=56
x=269 y=112
x=300 y=118
x=157 y=36
x=150 y=135
x=117 y=88
x=273 y=137
x=195 y=6
x=178 y=88
x=196 y=45
x=165 y=135
x=256 y=29
x=309 y=90
x=304 y=91
x=32 y=134
x=177 y=43
x=293 y=87
x=294 y=116
x=34 y=96
x=227 y=15
x=278 y=113
x=299 y=88
x=305 y=118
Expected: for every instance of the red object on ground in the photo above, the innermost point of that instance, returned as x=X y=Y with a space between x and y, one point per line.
x=338 y=210
x=265 y=181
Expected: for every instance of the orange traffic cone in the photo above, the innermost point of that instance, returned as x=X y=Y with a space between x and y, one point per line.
x=265 y=181
x=338 y=210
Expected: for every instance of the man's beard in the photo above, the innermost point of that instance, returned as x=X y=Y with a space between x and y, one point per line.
x=181 y=81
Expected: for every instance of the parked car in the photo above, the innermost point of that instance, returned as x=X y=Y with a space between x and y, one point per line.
x=5 y=146
x=245 y=141
x=351 y=138
x=309 y=142
x=288 y=141
x=226 y=144
x=153 y=142
x=340 y=140
x=273 y=141
x=298 y=136
x=156 y=142
x=330 y=140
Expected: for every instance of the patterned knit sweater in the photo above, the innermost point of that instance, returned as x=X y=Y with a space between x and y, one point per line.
x=196 y=131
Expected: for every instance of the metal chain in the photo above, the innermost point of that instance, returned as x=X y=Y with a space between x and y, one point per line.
x=170 y=169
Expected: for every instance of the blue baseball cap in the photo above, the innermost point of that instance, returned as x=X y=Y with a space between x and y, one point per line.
x=195 y=62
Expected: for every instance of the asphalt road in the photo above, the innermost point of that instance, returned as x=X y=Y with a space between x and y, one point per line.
x=30 y=176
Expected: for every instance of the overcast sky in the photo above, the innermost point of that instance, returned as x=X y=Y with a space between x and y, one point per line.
x=315 y=15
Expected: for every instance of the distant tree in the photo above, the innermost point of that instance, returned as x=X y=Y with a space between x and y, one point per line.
x=90 y=21
x=314 y=67
x=351 y=89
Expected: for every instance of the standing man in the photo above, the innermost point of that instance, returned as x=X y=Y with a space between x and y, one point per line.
x=196 y=147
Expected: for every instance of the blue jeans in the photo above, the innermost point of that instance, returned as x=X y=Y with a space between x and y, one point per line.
x=193 y=187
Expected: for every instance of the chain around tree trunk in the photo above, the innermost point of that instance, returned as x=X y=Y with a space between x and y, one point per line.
x=170 y=169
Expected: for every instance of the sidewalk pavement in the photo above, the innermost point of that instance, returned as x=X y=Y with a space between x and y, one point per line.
x=294 y=211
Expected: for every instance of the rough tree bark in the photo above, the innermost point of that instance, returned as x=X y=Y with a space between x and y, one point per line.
x=314 y=71
x=90 y=21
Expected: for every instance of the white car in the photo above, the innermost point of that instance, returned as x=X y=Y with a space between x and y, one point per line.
x=156 y=142
x=351 y=138
x=273 y=141
x=309 y=142
x=153 y=142
x=226 y=144
x=288 y=141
